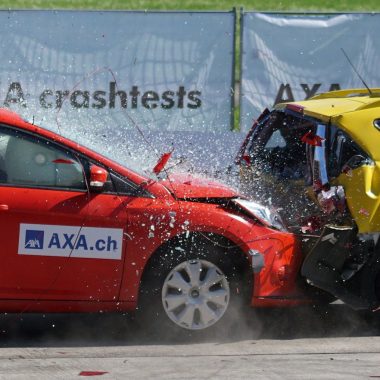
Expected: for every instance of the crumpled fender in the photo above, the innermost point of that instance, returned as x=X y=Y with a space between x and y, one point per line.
x=324 y=265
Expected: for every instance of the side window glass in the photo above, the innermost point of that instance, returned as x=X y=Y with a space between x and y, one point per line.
x=28 y=161
x=3 y=147
x=125 y=187
x=345 y=152
x=336 y=154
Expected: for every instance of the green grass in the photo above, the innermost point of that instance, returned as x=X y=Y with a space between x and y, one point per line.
x=260 y=5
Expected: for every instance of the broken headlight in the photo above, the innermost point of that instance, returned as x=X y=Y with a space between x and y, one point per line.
x=266 y=216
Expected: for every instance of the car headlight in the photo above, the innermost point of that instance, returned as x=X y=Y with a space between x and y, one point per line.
x=266 y=216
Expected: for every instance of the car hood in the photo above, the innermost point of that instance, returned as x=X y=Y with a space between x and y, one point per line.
x=185 y=186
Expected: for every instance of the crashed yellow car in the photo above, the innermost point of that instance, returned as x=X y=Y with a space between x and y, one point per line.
x=318 y=162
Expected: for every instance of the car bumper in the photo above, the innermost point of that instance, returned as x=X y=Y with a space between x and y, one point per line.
x=276 y=258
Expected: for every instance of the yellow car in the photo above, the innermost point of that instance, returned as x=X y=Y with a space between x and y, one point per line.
x=318 y=161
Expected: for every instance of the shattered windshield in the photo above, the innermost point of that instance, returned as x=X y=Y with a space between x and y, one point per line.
x=279 y=166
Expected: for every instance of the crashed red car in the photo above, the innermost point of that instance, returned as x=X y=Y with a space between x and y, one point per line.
x=81 y=233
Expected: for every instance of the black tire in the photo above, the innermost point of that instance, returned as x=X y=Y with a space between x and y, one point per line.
x=202 y=252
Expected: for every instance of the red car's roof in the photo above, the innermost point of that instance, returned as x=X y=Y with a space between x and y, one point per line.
x=183 y=190
x=11 y=118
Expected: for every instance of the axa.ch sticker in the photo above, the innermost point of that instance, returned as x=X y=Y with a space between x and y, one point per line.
x=70 y=241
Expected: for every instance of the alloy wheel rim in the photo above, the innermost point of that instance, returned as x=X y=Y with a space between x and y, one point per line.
x=195 y=294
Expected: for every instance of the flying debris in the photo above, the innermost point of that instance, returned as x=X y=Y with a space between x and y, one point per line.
x=311 y=139
x=162 y=162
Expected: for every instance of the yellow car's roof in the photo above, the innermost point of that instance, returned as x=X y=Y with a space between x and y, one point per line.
x=352 y=110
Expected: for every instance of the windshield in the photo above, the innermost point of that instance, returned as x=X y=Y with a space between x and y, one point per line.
x=276 y=146
x=279 y=164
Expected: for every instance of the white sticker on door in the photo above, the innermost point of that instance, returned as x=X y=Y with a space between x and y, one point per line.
x=70 y=241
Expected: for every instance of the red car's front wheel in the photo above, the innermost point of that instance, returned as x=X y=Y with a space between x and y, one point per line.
x=194 y=288
x=195 y=294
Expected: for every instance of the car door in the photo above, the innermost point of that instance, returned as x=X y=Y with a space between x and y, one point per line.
x=59 y=241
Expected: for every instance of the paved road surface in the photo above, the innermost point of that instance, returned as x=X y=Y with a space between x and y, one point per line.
x=302 y=343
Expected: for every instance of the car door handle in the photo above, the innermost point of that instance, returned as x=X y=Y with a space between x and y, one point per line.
x=4 y=207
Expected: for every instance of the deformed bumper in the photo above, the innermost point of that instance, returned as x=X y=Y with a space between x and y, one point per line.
x=276 y=261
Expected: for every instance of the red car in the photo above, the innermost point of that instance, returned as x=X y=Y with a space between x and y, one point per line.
x=81 y=233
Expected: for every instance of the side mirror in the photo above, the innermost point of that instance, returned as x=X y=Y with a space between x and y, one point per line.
x=98 y=177
x=354 y=162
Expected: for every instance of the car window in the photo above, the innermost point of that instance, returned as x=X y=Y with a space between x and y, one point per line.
x=278 y=169
x=29 y=161
x=278 y=150
x=344 y=151
x=275 y=140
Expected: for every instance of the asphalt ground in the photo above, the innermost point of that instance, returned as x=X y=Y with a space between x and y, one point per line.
x=300 y=343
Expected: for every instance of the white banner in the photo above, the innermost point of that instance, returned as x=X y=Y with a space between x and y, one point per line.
x=168 y=71
x=103 y=77
x=294 y=56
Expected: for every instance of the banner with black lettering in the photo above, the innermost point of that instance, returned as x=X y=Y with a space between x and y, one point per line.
x=169 y=71
x=103 y=77
x=289 y=57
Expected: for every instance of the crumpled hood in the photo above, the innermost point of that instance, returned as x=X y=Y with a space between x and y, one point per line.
x=186 y=186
